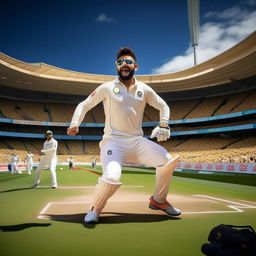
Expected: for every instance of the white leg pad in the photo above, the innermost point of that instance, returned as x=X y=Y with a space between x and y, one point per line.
x=103 y=191
x=37 y=176
x=163 y=178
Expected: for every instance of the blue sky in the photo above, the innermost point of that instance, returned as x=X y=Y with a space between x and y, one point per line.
x=84 y=36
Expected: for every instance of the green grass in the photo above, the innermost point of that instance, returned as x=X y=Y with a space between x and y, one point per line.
x=22 y=234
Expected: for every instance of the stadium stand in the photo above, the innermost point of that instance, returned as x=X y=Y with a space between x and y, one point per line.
x=8 y=110
x=223 y=85
x=248 y=103
x=206 y=107
x=231 y=102
x=59 y=112
x=75 y=147
x=191 y=150
x=179 y=110
x=185 y=109
x=98 y=113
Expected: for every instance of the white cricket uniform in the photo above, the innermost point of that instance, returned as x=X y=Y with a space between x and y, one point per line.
x=30 y=163
x=14 y=165
x=123 y=135
x=93 y=160
x=49 y=159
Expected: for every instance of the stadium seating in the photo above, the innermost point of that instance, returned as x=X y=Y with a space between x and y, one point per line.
x=214 y=149
x=247 y=103
x=57 y=112
x=98 y=113
x=180 y=109
x=234 y=148
x=231 y=102
x=206 y=107
x=60 y=112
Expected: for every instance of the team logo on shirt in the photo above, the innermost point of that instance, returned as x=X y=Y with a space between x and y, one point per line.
x=116 y=90
x=139 y=94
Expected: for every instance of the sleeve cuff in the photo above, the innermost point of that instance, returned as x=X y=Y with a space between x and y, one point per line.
x=164 y=121
x=73 y=124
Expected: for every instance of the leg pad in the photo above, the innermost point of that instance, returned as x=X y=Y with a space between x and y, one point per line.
x=163 y=176
x=103 y=191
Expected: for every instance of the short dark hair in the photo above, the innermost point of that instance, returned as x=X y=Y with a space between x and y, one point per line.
x=126 y=51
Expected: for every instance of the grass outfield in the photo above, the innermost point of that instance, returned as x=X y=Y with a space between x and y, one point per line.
x=24 y=234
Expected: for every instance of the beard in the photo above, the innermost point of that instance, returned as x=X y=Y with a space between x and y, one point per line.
x=126 y=78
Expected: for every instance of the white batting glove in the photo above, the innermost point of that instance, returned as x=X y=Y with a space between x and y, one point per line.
x=161 y=132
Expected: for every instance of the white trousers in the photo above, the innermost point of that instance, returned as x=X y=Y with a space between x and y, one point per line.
x=116 y=150
x=14 y=169
x=51 y=162
x=29 y=167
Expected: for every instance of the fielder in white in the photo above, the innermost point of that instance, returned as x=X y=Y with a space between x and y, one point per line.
x=124 y=101
x=49 y=158
x=29 y=162
x=14 y=164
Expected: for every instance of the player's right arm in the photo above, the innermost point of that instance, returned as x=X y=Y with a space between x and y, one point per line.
x=83 y=107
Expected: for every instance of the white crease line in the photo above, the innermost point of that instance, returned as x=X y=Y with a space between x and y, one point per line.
x=79 y=187
x=42 y=212
x=132 y=186
x=46 y=208
x=234 y=207
x=248 y=201
x=210 y=201
x=228 y=201
x=67 y=187
x=208 y=212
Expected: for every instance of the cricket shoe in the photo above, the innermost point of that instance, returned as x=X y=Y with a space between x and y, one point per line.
x=34 y=185
x=91 y=217
x=166 y=207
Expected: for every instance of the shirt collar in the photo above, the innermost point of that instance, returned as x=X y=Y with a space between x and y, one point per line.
x=117 y=81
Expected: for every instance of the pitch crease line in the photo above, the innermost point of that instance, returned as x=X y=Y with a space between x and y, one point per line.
x=79 y=187
x=228 y=201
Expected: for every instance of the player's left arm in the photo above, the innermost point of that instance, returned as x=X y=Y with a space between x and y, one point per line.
x=162 y=131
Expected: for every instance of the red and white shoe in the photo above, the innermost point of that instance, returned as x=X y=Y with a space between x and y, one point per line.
x=166 y=207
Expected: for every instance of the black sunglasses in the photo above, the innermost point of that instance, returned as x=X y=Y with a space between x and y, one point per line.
x=127 y=61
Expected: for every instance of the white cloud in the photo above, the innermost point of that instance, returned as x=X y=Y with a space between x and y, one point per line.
x=103 y=18
x=227 y=14
x=230 y=27
x=251 y=2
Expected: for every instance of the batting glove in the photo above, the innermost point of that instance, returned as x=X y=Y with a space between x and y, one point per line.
x=161 y=132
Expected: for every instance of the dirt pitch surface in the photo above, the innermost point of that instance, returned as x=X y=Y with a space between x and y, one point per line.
x=133 y=205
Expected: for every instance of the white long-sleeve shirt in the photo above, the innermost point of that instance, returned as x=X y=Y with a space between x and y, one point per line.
x=123 y=109
x=50 y=148
x=29 y=158
x=14 y=159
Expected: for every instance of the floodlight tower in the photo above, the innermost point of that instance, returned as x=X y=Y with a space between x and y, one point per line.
x=193 y=19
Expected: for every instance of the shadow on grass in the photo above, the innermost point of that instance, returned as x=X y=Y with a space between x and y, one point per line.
x=19 y=227
x=14 y=189
x=113 y=218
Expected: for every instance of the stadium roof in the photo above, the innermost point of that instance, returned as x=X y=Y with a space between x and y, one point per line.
x=235 y=64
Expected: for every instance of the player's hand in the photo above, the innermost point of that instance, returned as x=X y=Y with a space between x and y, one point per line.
x=72 y=130
x=161 y=132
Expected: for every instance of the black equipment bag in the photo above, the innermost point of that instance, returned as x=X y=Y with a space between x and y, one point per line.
x=230 y=240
